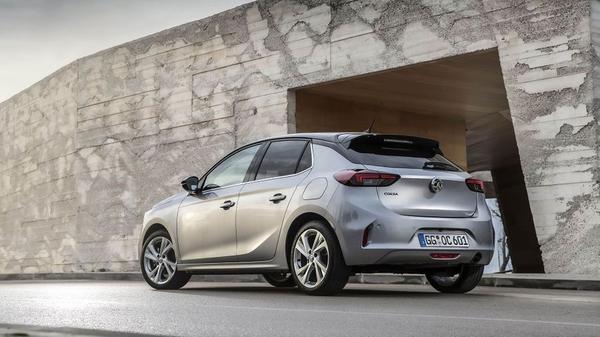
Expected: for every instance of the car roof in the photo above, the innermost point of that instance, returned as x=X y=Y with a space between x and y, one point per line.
x=340 y=137
x=326 y=136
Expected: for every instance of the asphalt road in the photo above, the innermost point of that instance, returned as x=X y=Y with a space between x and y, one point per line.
x=254 y=309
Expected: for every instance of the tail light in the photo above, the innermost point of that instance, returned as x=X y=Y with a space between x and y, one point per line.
x=475 y=185
x=365 y=178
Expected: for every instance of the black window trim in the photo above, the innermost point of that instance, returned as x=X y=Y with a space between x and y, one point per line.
x=306 y=146
x=258 y=158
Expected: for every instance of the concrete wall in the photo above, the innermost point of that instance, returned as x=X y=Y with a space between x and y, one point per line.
x=546 y=59
x=88 y=149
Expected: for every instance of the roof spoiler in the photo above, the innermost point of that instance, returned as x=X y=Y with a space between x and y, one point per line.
x=399 y=141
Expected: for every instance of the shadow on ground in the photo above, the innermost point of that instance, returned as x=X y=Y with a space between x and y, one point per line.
x=347 y=293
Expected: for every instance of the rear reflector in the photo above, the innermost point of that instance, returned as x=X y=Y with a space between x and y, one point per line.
x=475 y=185
x=444 y=256
x=365 y=239
x=365 y=178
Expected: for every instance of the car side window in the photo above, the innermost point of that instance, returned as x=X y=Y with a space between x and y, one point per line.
x=281 y=158
x=305 y=160
x=232 y=170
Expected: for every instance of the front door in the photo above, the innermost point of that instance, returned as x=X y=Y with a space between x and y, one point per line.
x=206 y=221
x=264 y=201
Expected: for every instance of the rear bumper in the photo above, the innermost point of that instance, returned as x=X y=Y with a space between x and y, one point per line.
x=423 y=257
x=393 y=238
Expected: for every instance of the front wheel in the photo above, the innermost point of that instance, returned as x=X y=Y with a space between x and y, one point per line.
x=465 y=280
x=316 y=260
x=159 y=264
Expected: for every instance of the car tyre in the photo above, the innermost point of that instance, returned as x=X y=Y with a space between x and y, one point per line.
x=464 y=281
x=159 y=263
x=316 y=260
x=280 y=280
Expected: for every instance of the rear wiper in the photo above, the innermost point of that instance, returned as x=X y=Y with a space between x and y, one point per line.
x=436 y=165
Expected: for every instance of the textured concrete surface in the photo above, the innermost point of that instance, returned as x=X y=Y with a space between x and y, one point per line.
x=88 y=149
x=222 y=309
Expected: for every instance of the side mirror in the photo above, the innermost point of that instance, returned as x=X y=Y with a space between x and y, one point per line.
x=191 y=184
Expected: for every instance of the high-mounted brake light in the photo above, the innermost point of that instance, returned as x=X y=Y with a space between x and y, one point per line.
x=365 y=178
x=475 y=185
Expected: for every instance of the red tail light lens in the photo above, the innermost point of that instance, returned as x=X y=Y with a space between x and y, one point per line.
x=365 y=178
x=475 y=185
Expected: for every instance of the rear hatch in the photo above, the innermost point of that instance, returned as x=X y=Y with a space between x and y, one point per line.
x=412 y=195
x=420 y=165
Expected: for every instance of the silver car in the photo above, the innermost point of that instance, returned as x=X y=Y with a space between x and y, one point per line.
x=310 y=210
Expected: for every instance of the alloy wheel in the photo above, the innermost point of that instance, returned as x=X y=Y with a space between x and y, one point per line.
x=160 y=263
x=311 y=258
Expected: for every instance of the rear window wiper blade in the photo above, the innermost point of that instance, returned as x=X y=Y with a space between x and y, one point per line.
x=436 y=165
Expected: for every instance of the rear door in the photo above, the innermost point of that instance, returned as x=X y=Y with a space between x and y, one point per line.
x=264 y=201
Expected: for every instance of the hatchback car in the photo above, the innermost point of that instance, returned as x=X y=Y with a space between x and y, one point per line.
x=310 y=210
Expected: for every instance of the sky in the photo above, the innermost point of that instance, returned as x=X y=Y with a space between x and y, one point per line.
x=37 y=37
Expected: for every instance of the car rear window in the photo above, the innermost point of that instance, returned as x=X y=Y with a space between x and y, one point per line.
x=399 y=152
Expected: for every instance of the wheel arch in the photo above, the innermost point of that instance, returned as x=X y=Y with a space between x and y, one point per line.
x=156 y=226
x=297 y=223
x=153 y=228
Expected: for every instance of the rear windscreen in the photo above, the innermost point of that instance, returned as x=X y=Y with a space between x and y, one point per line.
x=408 y=152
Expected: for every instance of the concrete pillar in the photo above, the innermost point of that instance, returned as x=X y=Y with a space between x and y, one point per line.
x=518 y=222
x=546 y=57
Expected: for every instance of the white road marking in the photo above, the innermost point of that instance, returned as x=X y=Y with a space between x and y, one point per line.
x=489 y=319
x=544 y=297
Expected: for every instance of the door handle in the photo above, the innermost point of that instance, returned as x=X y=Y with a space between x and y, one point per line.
x=277 y=198
x=227 y=204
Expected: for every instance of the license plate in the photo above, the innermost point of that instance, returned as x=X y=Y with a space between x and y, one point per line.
x=443 y=240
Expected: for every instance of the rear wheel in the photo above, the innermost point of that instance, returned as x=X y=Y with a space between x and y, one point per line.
x=280 y=280
x=464 y=280
x=316 y=260
x=159 y=264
